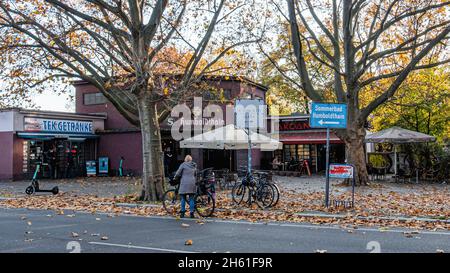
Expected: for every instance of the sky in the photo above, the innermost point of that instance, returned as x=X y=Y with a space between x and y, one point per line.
x=51 y=101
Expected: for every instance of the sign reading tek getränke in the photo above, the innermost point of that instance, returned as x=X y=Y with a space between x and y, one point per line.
x=57 y=126
x=328 y=115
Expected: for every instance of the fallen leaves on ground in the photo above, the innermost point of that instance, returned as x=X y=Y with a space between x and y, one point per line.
x=384 y=208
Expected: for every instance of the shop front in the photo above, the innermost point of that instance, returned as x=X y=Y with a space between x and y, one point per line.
x=303 y=143
x=60 y=142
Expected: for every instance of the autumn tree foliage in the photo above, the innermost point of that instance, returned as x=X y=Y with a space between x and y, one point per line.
x=421 y=104
x=362 y=43
x=144 y=56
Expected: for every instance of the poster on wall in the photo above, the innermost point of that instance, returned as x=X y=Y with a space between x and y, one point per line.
x=32 y=124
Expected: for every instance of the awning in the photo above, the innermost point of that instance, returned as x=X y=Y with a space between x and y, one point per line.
x=50 y=136
x=231 y=138
x=309 y=138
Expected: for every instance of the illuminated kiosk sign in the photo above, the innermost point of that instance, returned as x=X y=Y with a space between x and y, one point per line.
x=57 y=126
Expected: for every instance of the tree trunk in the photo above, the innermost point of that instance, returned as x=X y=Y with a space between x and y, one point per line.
x=354 y=142
x=152 y=174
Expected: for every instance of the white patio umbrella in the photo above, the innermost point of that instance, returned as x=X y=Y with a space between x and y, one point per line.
x=231 y=138
x=398 y=135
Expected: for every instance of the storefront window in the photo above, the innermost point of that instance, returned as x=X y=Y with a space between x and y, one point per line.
x=298 y=152
x=59 y=158
x=302 y=152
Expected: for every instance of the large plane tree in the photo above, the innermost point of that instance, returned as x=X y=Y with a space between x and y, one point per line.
x=362 y=43
x=143 y=55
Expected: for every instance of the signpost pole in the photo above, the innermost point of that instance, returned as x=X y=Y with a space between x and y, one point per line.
x=353 y=184
x=328 y=115
x=353 y=188
x=247 y=124
x=327 y=185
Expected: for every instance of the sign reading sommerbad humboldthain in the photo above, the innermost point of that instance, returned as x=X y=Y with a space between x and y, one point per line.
x=57 y=125
x=328 y=115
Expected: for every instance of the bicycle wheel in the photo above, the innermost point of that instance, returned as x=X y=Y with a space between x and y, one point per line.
x=222 y=184
x=238 y=193
x=264 y=196
x=277 y=194
x=205 y=204
x=171 y=202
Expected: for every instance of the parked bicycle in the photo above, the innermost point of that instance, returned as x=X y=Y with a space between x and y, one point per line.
x=204 y=197
x=264 y=178
x=255 y=189
x=225 y=179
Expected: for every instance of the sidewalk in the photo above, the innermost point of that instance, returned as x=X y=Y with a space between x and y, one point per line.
x=411 y=205
x=97 y=186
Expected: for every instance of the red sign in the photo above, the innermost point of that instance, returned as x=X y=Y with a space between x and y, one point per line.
x=341 y=171
x=297 y=125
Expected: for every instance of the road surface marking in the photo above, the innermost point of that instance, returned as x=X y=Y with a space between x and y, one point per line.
x=54 y=226
x=142 y=247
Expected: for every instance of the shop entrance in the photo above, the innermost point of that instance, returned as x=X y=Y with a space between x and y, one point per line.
x=337 y=155
x=60 y=158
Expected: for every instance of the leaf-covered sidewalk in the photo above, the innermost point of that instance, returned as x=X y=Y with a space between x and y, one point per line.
x=380 y=207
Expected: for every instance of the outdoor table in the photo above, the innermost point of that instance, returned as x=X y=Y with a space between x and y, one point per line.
x=380 y=172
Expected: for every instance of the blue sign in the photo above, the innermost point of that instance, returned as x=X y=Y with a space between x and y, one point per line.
x=103 y=165
x=328 y=115
x=91 y=168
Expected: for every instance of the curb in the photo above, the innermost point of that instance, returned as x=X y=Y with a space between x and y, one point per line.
x=322 y=215
x=302 y=214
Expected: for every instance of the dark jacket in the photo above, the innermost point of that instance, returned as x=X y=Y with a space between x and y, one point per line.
x=188 y=172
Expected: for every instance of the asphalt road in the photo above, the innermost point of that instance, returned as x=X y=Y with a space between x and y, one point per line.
x=23 y=230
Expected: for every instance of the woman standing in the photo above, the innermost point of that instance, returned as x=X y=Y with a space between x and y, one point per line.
x=188 y=172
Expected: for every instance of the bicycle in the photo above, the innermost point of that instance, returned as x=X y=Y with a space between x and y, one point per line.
x=224 y=179
x=264 y=178
x=253 y=191
x=205 y=202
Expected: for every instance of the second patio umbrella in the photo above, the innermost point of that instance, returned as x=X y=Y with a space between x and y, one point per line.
x=398 y=135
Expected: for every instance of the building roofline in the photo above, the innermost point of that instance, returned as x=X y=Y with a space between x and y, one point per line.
x=49 y=112
x=293 y=116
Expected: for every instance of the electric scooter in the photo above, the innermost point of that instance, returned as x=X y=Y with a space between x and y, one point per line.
x=34 y=187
